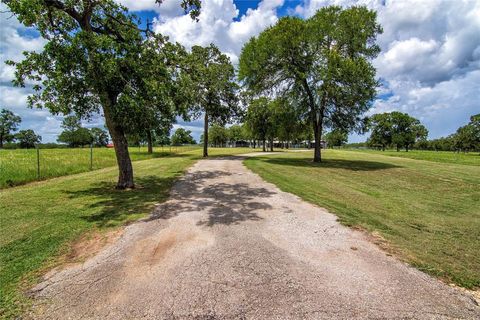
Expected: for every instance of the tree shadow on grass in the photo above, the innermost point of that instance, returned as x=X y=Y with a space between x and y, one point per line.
x=353 y=165
x=156 y=154
x=114 y=207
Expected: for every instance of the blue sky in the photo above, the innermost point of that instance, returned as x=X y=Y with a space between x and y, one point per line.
x=429 y=65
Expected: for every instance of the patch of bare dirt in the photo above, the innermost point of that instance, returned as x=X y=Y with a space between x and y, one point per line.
x=89 y=244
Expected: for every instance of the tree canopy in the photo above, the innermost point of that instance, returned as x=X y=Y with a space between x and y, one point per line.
x=336 y=138
x=96 y=60
x=260 y=119
x=27 y=138
x=321 y=63
x=218 y=135
x=467 y=138
x=397 y=129
x=182 y=136
x=213 y=88
x=8 y=125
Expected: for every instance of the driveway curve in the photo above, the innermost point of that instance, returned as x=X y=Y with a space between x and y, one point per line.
x=228 y=245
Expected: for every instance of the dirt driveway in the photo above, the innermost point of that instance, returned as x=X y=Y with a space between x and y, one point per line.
x=228 y=245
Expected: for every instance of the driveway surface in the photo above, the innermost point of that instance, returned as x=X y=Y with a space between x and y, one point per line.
x=228 y=245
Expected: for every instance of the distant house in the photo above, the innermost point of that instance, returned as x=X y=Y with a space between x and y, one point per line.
x=110 y=145
x=323 y=144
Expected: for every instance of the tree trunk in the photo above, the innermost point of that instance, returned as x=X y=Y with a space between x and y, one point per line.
x=1 y=142
x=205 y=136
x=406 y=148
x=264 y=148
x=271 y=144
x=120 y=144
x=149 y=141
x=317 y=153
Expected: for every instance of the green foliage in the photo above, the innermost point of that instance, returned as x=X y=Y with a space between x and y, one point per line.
x=218 y=135
x=212 y=87
x=395 y=128
x=288 y=124
x=96 y=58
x=74 y=135
x=27 y=138
x=322 y=64
x=382 y=131
x=8 y=125
x=163 y=139
x=440 y=144
x=182 y=136
x=235 y=133
x=99 y=137
x=260 y=119
x=336 y=138
x=467 y=138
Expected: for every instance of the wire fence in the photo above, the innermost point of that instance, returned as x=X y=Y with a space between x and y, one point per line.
x=18 y=166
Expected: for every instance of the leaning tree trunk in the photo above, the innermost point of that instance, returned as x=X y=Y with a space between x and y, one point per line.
x=149 y=141
x=125 y=169
x=205 y=136
x=264 y=148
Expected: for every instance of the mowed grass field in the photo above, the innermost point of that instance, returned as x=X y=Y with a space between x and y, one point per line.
x=19 y=166
x=428 y=212
x=471 y=158
x=40 y=220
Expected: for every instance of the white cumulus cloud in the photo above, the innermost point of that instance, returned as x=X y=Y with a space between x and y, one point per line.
x=218 y=24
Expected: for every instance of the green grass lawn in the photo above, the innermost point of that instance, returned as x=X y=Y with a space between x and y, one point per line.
x=40 y=219
x=19 y=166
x=429 y=212
x=470 y=158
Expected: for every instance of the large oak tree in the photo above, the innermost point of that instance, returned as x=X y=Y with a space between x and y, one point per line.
x=94 y=61
x=322 y=63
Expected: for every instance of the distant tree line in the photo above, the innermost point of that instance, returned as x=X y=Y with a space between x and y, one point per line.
x=465 y=139
x=401 y=131
x=74 y=135
x=9 y=123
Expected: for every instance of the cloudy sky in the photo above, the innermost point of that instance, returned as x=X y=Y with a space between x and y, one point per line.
x=429 y=64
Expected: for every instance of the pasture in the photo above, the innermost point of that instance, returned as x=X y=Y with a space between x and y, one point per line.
x=428 y=212
x=19 y=166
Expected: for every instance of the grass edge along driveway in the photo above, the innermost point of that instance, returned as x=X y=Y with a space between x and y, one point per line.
x=427 y=211
x=40 y=220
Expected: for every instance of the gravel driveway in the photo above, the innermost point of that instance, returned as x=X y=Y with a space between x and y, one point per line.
x=228 y=245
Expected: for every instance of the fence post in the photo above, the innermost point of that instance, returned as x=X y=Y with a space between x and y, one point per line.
x=91 y=156
x=38 y=163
